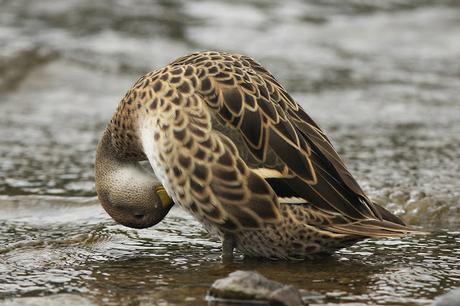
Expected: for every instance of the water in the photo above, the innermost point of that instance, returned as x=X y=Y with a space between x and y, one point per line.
x=382 y=78
x=55 y=246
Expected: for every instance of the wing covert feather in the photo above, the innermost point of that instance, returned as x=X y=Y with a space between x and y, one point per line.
x=246 y=98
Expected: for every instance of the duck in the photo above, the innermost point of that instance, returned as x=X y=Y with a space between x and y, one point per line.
x=228 y=144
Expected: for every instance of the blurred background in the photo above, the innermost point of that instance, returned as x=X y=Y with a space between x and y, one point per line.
x=382 y=78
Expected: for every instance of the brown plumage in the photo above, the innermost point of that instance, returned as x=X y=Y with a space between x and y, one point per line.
x=232 y=147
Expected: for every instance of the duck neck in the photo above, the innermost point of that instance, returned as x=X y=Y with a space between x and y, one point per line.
x=110 y=167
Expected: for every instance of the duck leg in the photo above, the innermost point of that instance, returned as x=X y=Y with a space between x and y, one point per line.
x=228 y=244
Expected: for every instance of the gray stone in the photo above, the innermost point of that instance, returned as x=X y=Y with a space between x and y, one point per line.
x=451 y=298
x=249 y=285
x=288 y=296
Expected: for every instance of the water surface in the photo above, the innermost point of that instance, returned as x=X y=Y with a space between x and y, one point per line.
x=56 y=246
x=382 y=79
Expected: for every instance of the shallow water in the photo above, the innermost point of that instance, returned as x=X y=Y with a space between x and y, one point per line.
x=383 y=80
x=55 y=246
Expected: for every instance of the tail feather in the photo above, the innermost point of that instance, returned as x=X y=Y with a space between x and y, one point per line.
x=374 y=228
x=384 y=214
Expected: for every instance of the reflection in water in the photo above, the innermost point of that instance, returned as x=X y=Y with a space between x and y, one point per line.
x=382 y=78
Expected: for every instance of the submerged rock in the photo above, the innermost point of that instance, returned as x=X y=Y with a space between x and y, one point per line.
x=248 y=285
x=451 y=298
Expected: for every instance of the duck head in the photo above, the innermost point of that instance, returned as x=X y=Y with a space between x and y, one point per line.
x=129 y=194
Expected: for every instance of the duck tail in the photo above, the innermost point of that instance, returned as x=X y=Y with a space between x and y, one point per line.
x=385 y=225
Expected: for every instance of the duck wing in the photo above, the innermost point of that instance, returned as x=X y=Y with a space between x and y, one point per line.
x=286 y=147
